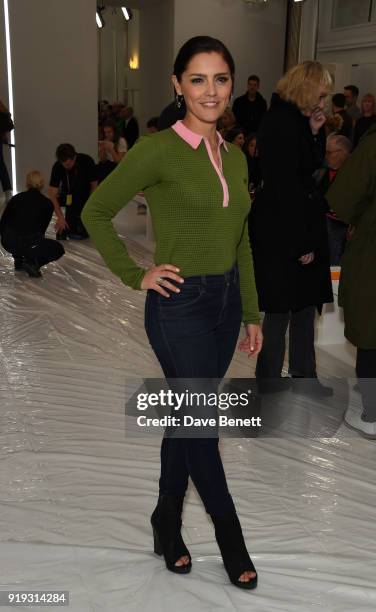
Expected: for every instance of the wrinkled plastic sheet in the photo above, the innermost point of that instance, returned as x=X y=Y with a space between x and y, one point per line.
x=77 y=493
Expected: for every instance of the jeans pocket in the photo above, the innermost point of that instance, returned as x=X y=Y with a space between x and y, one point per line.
x=188 y=296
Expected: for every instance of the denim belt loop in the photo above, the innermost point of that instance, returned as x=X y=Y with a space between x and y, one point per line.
x=203 y=279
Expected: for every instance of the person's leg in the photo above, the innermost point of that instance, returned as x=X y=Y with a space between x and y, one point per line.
x=40 y=251
x=191 y=336
x=272 y=355
x=44 y=251
x=337 y=233
x=366 y=373
x=73 y=219
x=302 y=358
x=15 y=247
x=174 y=472
x=80 y=228
x=62 y=235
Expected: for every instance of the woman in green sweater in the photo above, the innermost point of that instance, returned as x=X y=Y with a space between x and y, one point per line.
x=202 y=284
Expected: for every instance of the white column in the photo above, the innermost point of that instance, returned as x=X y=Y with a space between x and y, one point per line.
x=309 y=30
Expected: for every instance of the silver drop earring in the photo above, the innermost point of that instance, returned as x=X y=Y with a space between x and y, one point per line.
x=179 y=100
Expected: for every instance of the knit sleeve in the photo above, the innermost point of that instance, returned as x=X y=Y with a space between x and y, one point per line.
x=137 y=171
x=248 y=290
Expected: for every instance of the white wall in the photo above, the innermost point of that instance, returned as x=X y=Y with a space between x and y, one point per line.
x=54 y=47
x=156 y=58
x=112 y=41
x=309 y=30
x=343 y=47
x=254 y=34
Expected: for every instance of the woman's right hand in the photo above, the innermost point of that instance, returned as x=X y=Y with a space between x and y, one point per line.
x=157 y=278
x=60 y=224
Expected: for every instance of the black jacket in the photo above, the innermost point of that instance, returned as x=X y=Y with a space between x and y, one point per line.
x=287 y=218
x=249 y=114
x=26 y=214
x=361 y=127
x=170 y=115
x=347 y=125
x=131 y=131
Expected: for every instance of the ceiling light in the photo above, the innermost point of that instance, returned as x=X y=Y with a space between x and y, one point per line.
x=99 y=20
x=127 y=13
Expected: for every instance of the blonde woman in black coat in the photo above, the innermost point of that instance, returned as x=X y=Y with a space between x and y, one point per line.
x=288 y=228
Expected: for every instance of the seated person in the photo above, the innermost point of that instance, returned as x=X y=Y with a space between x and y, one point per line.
x=368 y=118
x=129 y=126
x=74 y=178
x=152 y=125
x=226 y=122
x=338 y=149
x=345 y=127
x=235 y=136
x=23 y=226
x=254 y=170
x=112 y=149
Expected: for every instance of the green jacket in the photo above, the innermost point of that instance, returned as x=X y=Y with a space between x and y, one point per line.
x=353 y=197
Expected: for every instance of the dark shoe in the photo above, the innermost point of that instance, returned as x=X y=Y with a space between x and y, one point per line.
x=311 y=387
x=73 y=236
x=61 y=235
x=273 y=385
x=32 y=269
x=236 y=559
x=18 y=264
x=166 y=523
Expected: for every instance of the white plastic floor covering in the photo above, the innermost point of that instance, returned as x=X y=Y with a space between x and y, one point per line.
x=76 y=493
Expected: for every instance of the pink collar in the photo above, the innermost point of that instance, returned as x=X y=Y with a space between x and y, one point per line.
x=192 y=138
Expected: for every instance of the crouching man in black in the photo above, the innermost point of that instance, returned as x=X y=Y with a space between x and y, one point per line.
x=23 y=226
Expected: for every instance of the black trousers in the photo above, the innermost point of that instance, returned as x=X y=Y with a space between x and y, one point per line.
x=4 y=175
x=366 y=373
x=73 y=218
x=35 y=248
x=302 y=358
x=194 y=335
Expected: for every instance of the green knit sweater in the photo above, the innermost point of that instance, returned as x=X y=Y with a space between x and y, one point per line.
x=193 y=230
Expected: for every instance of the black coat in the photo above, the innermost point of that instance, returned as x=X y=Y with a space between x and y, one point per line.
x=249 y=114
x=27 y=213
x=131 y=131
x=287 y=218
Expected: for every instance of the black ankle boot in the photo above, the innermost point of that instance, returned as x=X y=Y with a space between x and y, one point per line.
x=236 y=559
x=18 y=263
x=32 y=269
x=166 y=523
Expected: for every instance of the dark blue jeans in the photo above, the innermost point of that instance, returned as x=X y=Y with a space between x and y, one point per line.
x=194 y=335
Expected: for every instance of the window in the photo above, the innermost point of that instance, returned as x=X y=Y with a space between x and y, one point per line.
x=353 y=12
